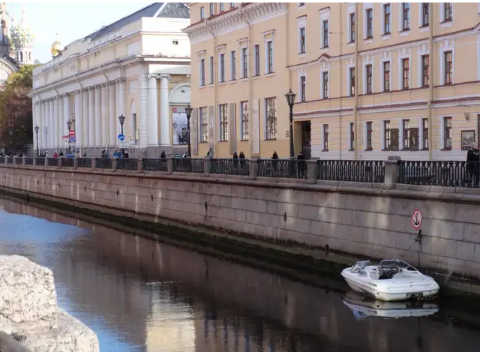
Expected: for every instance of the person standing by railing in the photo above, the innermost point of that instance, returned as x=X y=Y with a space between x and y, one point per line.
x=301 y=164
x=235 y=160
x=242 y=160
x=473 y=163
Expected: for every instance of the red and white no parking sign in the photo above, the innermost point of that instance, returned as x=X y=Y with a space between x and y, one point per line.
x=416 y=219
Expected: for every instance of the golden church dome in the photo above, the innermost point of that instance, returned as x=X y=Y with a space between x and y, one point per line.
x=57 y=47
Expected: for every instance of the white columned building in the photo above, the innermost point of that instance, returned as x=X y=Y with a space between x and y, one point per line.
x=147 y=81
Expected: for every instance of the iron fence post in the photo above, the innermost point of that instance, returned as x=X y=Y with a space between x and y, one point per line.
x=312 y=170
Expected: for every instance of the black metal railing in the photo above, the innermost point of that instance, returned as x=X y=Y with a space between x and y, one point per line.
x=84 y=162
x=127 y=164
x=28 y=161
x=237 y=167
x=52 y=162
x=440 y=173
x=18 y=161
x=188 y=165
x=10 y=161
x=67 y=162
x=282 y=168
x=39 y=161
x=103 y=163
x=155 y=165
x=351 y=170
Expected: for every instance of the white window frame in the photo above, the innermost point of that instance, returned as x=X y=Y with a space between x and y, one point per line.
x=420 y=132
x=442 y=131
x=420 y=16
x=448 y=46
x=400 y=133
x=220 y=53
x=400 y=71
x=400 y=17
x=365 y=63
x=382 y=20
x=349 y=80
x=202 y=62
x=382 y=130
x=211 y=68
x=243 y=45
x=350 y=127
x=301 y=23
x=382 y=78
x=322 y=138
x=324 y=16
x=442 y=15
x=350 y=10
x=322 y=93
x=233 y=68
x=269 y=40
x=421 y=51
x=368 y=6
x=256 y=68
x=302 y=73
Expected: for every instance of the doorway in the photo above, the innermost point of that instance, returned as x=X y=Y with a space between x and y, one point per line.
x=306 y=139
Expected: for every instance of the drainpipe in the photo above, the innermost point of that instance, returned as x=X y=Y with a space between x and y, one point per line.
x=430 y=83
x=355 y=103
x=215 y=86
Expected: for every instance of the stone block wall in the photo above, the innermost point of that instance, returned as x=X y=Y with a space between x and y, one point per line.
x=361 y=219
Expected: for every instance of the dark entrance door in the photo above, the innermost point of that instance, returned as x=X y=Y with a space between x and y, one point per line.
x=306 y=139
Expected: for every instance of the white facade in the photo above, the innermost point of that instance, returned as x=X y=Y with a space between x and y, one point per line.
x=119 y=70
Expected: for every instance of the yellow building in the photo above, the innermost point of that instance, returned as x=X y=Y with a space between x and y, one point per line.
x=246 y=56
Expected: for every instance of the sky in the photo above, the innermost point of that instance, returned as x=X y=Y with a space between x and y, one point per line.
x=71 y=20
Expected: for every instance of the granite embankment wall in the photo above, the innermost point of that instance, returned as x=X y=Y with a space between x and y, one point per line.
x=365 y=220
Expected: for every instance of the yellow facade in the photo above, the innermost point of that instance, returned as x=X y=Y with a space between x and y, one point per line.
x=389 y=109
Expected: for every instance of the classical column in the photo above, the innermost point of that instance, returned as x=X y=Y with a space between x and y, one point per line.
x=91 y=118
x=41 y=136
x=98 y=117
x=85 y=137
x=66 y=114
x=164 y=111
x=50 y=123
x=121 y=101
x=144 y=110
x=111 y=114
x=104 y=121
x=152 y=111
x=78 y=118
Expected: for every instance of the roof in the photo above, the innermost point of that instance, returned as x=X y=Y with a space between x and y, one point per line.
x=157 y=9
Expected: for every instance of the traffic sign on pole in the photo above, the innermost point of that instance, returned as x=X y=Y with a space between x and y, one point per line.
x=121 y=137
x=416 y=219
x=72 y=133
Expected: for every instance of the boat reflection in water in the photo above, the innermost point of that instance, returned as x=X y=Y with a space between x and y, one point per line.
x=364 y=307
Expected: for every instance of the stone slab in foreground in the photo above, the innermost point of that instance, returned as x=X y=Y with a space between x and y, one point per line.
x=29 y=311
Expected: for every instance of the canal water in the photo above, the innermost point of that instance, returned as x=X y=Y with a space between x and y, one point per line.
x=139 y=295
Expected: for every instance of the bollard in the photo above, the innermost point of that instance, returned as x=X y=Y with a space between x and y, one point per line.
x=114 y=164
x=140 y=165
x=207 y=162
x=253 y=169
x=169 y=165
x=312 y=171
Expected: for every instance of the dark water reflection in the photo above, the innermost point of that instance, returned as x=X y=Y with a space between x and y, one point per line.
x=139 y=295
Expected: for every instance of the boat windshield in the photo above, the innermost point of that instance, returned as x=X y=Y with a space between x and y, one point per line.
x=360 y=266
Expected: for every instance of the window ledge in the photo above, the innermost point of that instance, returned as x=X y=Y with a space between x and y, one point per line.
x=202 y=87
x=386 y=36
x=244 y=140
x=211 y=85
x=203 y=142
x=425 y=25
x=424 y=149
x=222 y=83
x=256 y=77
x=351 y=150
x=446 y=150
x=446 y=24
x=368 y=149
x=270 y=140
x=424 y=29
x=269 y=74
x=232 y=81
x=325 y=150
x=405 y=33
x=243 y=79
x=404 y=149
x=386 y=91
x=448 y=84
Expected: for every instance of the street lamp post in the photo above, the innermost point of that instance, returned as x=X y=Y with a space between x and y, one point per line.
x=69 y=127
x=291 y=101
x=121 y=119
x=188 y=110
x=36 y=133
x=10 y=131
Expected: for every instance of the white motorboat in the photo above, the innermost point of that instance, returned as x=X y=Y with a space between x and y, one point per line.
x=363 y=307
x=391 y=280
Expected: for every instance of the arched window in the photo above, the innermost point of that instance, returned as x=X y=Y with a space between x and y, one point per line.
x=21 y=56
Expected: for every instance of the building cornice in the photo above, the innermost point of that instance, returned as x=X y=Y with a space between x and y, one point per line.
x=234 y=19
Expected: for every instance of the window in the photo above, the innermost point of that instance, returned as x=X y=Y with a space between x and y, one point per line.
x=244 y=120
x=223 y=117
x=212 y=9
x=232 y=5
x=271 y=111
x=325 y=138
x=203 y=124
x=222 y=68
x=211 y=69
x=233 y=63
x=447 y=132
x=447 y=11
x=369 y=23
x=406 y=134
x=369 y=135
x=406 y=73
x=386 y=76
x=369 y=74
x=387 y=136
x=405 y=16
x=202 y=72
x=351 y=134
x=202 y=13
x=256 y=68
x=425 y=133
x=302 y=40
x=425 y=13
x=245 y=63
x=386 y=19
x=301 y=4
x=222 y=8
x=269 y=57
x=325 y=85
x=352 y=81
x=448 y=67
x=352 y=27
x=425 y=68
x=303 y=88
x=325 y=34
